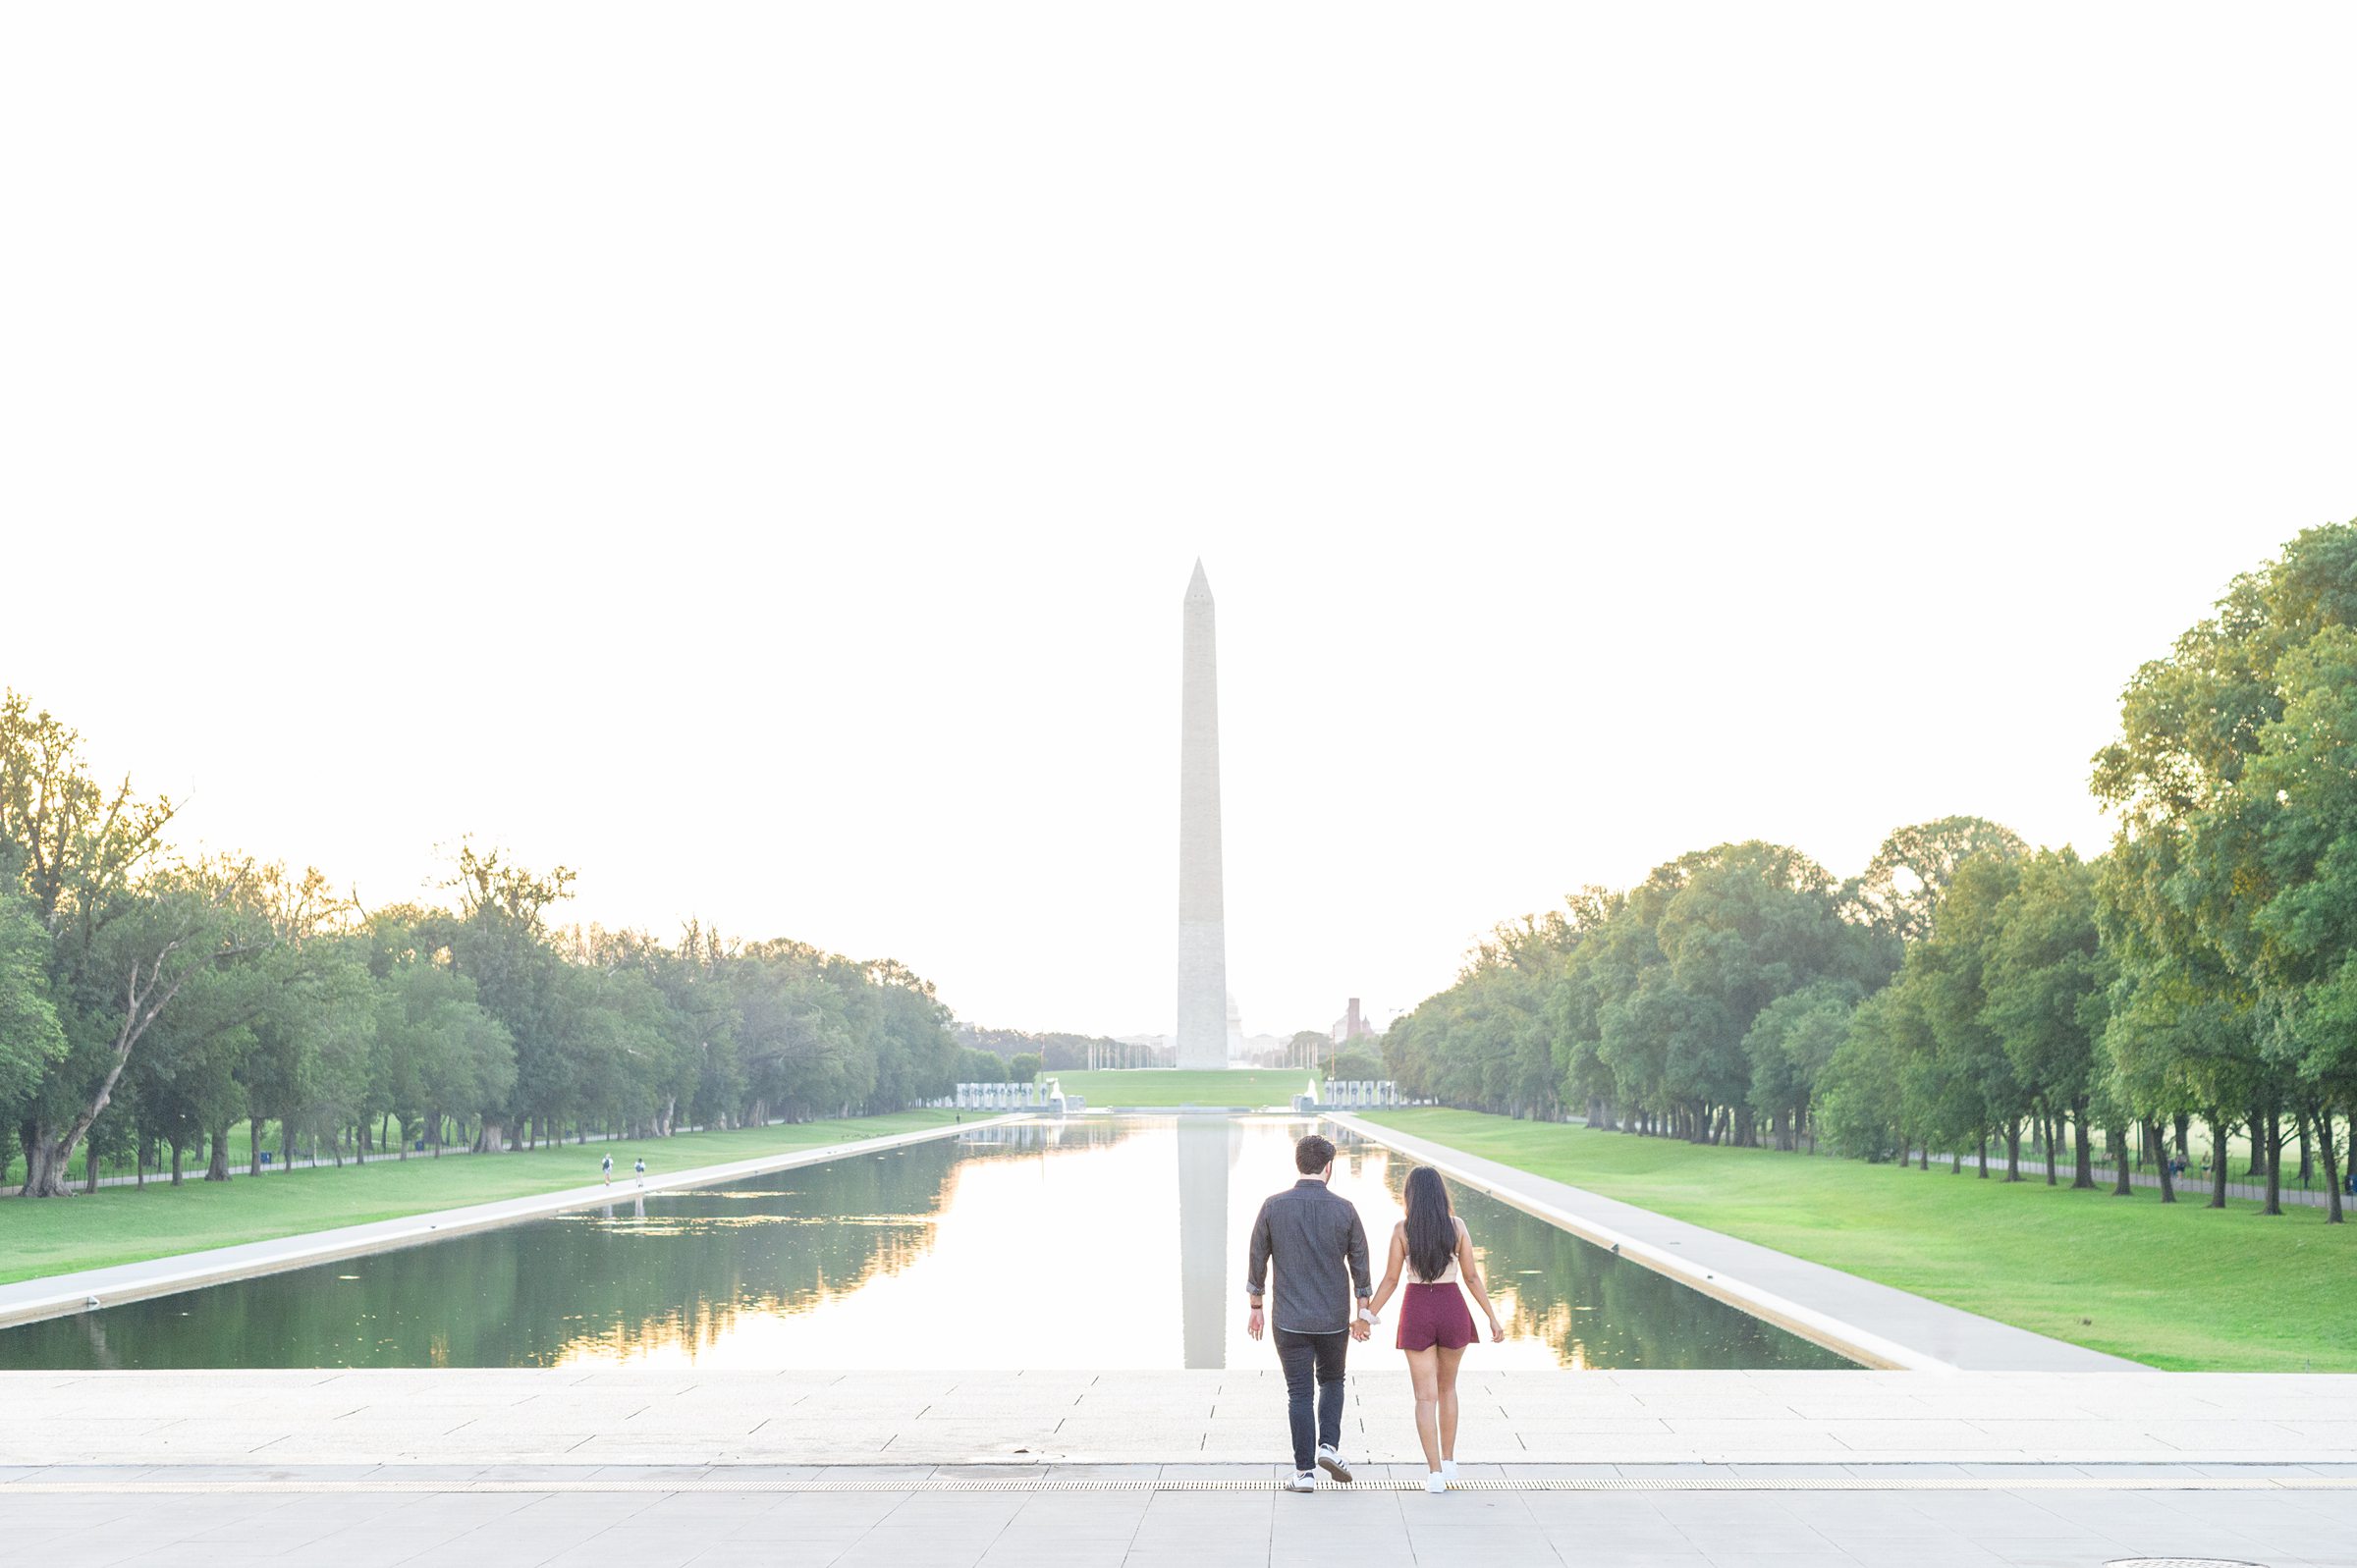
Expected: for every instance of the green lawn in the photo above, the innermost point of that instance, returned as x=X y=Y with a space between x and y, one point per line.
x=124 y=1224
x=2182 y=1286
x=1164 y=1086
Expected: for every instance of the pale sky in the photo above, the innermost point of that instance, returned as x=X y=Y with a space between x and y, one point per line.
x=755 y=454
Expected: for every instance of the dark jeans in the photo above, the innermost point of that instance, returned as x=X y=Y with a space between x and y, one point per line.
x=1300 y=1355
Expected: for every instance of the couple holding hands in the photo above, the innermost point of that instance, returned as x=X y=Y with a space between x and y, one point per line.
x=1325 y=1298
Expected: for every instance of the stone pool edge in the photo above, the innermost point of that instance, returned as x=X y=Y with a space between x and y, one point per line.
x=1519 y=1189
x=60 y=1295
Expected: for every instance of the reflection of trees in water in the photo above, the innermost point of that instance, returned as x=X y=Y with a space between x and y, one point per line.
x=592 y=1279
x=1598 y=1310
x=615 y=1283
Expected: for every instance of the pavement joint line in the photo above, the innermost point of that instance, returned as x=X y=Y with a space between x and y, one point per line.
x=951 y=1486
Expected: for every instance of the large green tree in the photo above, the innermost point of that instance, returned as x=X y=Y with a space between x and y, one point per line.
x=2046 y=980
x=2233 y=829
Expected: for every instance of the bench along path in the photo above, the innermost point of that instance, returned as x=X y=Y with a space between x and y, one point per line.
x=1876 y=1324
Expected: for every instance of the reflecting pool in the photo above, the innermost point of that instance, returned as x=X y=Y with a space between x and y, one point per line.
x=1093 y=1243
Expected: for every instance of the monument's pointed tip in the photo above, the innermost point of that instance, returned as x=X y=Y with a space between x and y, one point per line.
x=1198 y=584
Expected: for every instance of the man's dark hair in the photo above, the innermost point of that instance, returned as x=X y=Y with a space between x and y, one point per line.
x=1312 y=1154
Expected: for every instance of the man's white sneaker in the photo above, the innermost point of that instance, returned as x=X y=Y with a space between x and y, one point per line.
x=1332 y=1462
x=1305 y=1481
x=1448 y=1470
x=1434 y=1481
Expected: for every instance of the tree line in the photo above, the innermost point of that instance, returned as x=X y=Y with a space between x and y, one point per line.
x=1966 y=991
x=1023 y=1056
x=150 y=1004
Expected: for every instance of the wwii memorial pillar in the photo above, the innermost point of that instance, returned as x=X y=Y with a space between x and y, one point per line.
x=1202 y=920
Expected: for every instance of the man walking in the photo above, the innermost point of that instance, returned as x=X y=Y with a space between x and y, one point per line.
x=1323 y=1283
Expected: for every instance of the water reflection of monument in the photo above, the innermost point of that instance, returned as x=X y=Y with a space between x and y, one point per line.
x=1207 y=1147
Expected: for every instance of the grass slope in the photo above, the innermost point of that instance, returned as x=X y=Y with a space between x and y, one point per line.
x=2182 y=1286
x=1164 y=1086
x=124 y=1224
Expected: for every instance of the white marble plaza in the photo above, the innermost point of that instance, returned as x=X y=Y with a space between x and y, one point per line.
x=683 y=1523
x=1209 y=1417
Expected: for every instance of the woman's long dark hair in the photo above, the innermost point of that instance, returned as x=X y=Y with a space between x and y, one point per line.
x=1431 y=1228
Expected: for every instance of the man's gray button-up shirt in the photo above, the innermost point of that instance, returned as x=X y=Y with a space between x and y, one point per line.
x=1321 y=1252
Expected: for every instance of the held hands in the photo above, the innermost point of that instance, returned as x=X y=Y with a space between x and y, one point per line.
x=1361 y=1330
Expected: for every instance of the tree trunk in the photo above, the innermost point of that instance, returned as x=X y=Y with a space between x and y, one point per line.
x=176 y=1159
x=217 y=1164
x=2218 y=1159
x=2168 y=1183
x=90 y=1160
x=2324 y=1142
x=2085 y=1178
x=253 y=1146
x=492 y=1138
x=2046 y=1130
x=2121 y=1184
x=1984 y=1176
x=44 y=1167
x=2274 y=1165
x=2331 y=1163
x=2013 y=1148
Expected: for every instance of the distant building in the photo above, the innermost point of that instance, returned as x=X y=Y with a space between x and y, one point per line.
x=1352 y=1025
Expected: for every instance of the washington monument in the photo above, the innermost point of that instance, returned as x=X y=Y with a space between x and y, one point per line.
x=1202 y=920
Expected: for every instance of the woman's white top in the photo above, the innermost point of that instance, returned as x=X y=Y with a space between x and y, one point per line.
x=1450 y=1276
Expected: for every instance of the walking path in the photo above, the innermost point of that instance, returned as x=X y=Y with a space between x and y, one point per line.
x=55 y=1295
x=256 y=1170
x=733 y=1417
x=1875 y=1323
x=2191 y=1187
x=657 y=1519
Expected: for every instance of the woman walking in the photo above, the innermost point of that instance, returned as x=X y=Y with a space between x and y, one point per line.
x=1432 y=1245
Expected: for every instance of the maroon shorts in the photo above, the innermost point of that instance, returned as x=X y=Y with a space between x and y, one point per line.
x=1435 y=1314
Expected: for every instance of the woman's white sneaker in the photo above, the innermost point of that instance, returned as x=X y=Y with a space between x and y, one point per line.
x=1448 y=1470
x=1434 y=1481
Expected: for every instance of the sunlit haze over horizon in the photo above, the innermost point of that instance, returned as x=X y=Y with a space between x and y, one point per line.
x=755 y=457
